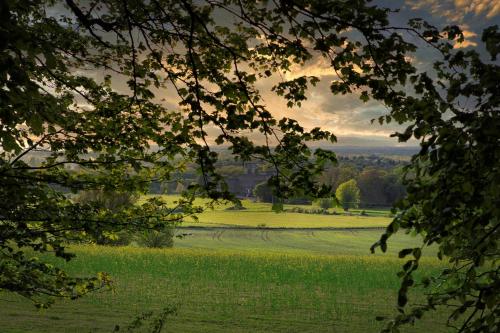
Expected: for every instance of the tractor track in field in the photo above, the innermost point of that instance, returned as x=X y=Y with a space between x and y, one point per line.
x=265 y=235
x=218 y=234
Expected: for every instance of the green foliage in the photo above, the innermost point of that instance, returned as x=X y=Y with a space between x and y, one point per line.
x=111 y=201
x=379 y=187
x=336 y=175
x=325 y=203
x=263 y=192
x=453 y=185
x=115 y=132
x=379 y=179
x=237 y=206
x=155 y=321
x=348 y=195
x=231 y=170
x=157 y=238
x=112 y=128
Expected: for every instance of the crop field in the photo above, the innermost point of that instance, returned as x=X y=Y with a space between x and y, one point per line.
x=225 y=291
x=260 y=214
x=293 y=241
x=250 y=218
x=300 y=277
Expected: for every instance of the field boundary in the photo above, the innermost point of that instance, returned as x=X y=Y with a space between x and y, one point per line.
x=236 y=227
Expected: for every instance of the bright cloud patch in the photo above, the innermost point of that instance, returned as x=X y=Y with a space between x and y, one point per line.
x=455 y=10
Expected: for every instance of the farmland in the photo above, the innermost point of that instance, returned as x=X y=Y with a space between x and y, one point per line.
x=256 y=214
x=222 y=278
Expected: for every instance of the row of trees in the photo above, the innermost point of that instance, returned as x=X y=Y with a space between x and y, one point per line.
x=347 y=196
x=367 y=188
x=379 y=187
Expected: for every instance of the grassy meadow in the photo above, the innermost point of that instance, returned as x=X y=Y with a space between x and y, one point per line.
x=251 y=218
x=230 y=280
x=302 y=241
x=224 y=291
x=257 y=214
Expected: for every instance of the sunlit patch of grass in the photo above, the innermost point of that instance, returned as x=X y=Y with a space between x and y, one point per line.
x=239 y=280
x=257 y=214
x=300 y=241
x=226 y=291
x=249 y=218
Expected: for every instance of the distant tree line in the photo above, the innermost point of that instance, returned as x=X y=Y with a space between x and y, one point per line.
x=379 y=187
x=377 y=178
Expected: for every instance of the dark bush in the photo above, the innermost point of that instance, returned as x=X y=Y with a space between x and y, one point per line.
x=114 y=202
x=156 y=238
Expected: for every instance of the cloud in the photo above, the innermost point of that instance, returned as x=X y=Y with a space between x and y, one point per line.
x=470 y=15
x=468 y=38
x=455 y=10
x=489 y=8
x=319 y=67
x=464 y=44
x=344 y=115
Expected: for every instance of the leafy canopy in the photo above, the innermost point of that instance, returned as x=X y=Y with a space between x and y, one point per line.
x=348 y=194
x=325 y=203
x=83 y=82
x=453 y=186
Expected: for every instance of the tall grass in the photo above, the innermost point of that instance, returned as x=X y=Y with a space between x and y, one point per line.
x=228 y=291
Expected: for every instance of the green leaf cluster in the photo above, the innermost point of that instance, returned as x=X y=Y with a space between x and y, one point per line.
x=82 y=84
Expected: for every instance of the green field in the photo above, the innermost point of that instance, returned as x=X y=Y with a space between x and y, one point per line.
x=257 y=213
x=251 y=218
x=292 y=241
x=225 y=291
x=237 y=280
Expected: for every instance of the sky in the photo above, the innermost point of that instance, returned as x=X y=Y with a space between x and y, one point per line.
x=348 y=117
